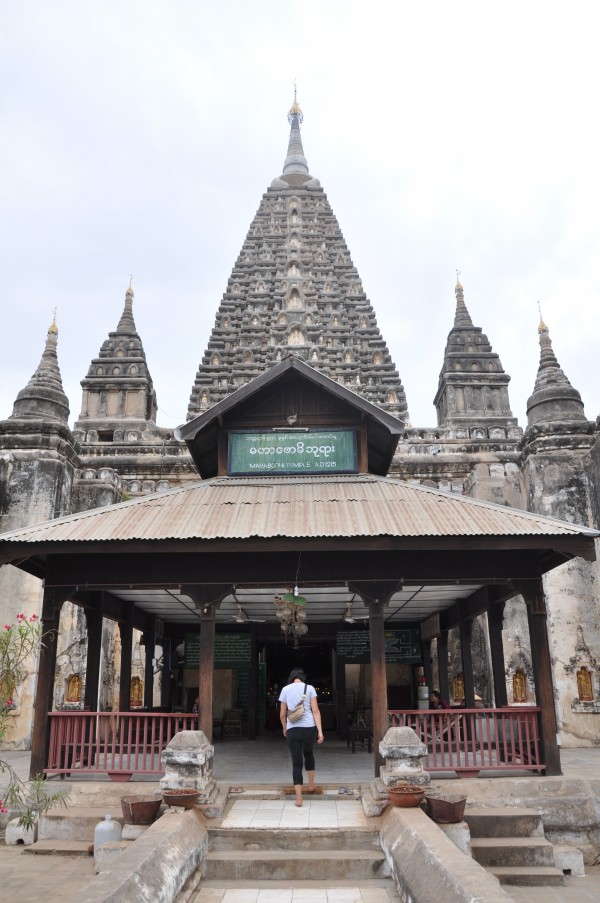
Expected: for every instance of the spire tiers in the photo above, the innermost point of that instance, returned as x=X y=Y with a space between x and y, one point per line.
x=473 y=387
x=44 y=398
x=462 y=317
x=127 y=323
x=295 y=167
x=295 y=290
x=553 y=399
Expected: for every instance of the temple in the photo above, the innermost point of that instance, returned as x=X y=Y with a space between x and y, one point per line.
x=296 y=352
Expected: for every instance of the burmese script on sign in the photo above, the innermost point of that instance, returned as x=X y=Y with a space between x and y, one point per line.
x=315 y=451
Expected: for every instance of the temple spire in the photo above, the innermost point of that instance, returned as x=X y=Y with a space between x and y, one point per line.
x=127 y=323
x=44 y=398
x=462 y=317
x=295 y=160
x=553 y=399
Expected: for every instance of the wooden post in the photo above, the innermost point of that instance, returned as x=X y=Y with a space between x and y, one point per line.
x=149 y=667
x=442 y=653
x=465 y=627
x=126 y=633
x=205 y=674
x=93 y=620
x=542 y=675
x=340 y=680
x=45 y=683
x=426 y=656
x=253 y=687
x=495 y=615
x=378 y=680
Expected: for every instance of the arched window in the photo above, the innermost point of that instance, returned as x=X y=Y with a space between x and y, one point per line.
x=296 y=337
x=215 y=360
x=378 y=358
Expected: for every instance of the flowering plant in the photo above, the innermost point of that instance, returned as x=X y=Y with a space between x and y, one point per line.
x=18 y=642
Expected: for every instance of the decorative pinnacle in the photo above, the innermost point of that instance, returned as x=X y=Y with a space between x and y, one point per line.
x=295 y=110
x=542 y=327
x=458 y=285
x=53 y=329
x=130 y=289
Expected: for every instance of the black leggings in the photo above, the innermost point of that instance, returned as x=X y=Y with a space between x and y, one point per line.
x=301 y=741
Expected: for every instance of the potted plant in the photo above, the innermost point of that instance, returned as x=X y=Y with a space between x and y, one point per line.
x=406 y=795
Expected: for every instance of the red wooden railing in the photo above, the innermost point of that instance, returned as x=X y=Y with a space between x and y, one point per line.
x=471 y=740
x=114 y=743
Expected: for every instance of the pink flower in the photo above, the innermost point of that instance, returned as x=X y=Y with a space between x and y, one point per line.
x=7 y=626
x=3 y=810
x=34 y=618
x=20 y=617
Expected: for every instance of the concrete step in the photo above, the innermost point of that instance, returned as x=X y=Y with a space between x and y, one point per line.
x=512 y=851
x=380 y=890
x=528 y=876
x=292 y=839
x=505 y=821
x=61 y=848
x=293 y=865
x=76 y=822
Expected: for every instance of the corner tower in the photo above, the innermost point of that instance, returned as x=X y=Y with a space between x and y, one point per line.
x=294 y=289
x=473 y=387
x=118 y=393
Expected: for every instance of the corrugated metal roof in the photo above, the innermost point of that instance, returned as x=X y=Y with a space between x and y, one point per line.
x=237 y=508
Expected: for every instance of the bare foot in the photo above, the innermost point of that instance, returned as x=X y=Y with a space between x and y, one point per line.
x=299 y=803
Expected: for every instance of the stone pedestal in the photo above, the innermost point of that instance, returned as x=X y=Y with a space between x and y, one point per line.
x=188 y=762
x=404 y=754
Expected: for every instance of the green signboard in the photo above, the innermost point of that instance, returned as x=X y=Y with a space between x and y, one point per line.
x=232 y=650
x=297 y=451
x=354 y=646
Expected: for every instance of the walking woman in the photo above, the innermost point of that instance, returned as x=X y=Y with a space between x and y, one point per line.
x=301 y=734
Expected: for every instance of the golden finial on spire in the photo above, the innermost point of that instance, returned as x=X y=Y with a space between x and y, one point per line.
x=458 y=285
x=295 y=108
x=542 y=327
x=53 y=327
x=130 y=289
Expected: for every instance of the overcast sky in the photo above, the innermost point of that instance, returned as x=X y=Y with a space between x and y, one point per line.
x=138 y=137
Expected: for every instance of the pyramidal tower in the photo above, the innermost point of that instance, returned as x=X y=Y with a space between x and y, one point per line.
x=294 y=290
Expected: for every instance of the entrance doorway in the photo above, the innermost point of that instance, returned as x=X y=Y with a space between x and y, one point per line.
x=317 y=659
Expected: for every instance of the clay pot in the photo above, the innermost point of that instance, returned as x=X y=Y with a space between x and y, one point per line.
x=187 y=797
x=140 y=810
x=406 y=796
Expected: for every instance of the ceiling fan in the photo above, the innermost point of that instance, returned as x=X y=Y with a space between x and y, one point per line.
x=350 y=618
x=241 y=617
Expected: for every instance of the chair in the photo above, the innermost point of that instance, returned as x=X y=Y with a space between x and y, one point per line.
x=361 y=731
x=232 y=723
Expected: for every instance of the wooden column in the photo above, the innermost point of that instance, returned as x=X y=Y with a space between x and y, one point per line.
x=126 y=633
x=340 y=681
x=426 y=655
x=253 y=687
x=378 y=680
x=465 y=627
x=44 y=695
x=442 y=653
x=495 y=615
x=207 y=599
x=149 y=667
x=205 y=675
x=93 y=620
x=542 y=674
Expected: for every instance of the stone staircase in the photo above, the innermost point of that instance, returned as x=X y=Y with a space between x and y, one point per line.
x=509 y=843
x=315 y=859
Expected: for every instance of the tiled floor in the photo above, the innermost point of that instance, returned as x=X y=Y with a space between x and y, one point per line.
x=285 y=814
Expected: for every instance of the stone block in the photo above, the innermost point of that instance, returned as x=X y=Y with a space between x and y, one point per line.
x=188 y=762
x=108 y=852
x=132 y=832
x=16 y=833
x=459 y=834
x=569 y=860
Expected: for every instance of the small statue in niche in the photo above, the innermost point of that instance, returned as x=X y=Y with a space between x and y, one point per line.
x=519 y=683
x=585 y=690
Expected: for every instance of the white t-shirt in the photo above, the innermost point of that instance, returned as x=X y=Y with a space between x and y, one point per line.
x=292 y=695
